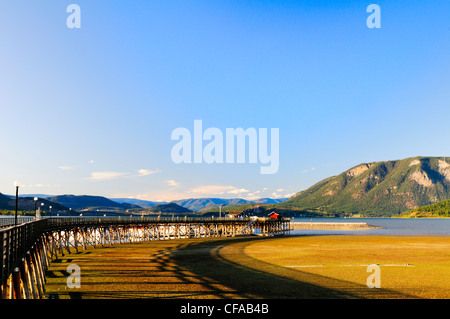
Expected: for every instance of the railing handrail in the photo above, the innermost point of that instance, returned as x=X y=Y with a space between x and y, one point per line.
x=9 y=221
x=15 y=242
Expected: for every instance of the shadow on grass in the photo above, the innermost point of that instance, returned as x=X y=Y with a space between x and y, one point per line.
x=252 y=278
x=196 y=268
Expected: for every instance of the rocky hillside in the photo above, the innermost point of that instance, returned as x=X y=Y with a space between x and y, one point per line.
x=379 y=188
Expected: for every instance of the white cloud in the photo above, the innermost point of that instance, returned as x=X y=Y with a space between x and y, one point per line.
x=238 y=191
x=171 y=182
x=312 y=169
x=217 y=190
x=251 y=196
x=276 y=195
x=159 y=196
x=101 y=176
x=211 y=189
x=91 y=162
x=145 y=172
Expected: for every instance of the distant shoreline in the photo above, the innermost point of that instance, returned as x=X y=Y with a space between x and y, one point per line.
x=334 y=226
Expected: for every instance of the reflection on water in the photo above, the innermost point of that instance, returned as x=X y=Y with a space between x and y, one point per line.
x=391 y=226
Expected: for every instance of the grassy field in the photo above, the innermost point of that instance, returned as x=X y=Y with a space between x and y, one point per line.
x=256 y=267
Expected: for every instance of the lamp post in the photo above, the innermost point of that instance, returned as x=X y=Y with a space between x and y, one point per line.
x=35 y=206
x=42 y=208
x=16 y=184
x=50 y=208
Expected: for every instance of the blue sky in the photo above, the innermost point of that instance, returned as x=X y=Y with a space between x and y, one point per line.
x=91 y=110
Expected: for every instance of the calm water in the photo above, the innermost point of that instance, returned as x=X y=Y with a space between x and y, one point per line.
x=391 y=226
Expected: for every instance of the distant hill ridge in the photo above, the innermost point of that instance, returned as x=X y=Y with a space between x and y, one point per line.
x=139 y=202
x=379 y=188
x=200 y=204
x=203 y=204
x=89 y=202
x=169 y=208
x=26 y=203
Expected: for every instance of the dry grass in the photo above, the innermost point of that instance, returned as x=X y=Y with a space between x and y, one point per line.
x=254 y=267
x=411 y=266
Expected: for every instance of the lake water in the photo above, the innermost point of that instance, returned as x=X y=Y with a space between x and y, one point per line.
x=391 y=226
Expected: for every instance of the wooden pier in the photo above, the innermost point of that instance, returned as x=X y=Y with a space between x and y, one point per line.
x=27 y=249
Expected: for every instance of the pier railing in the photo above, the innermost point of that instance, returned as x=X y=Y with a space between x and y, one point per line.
x=9 y=221
x=27 y=249
x=16 y=243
